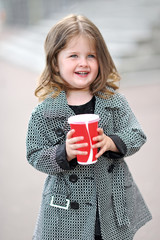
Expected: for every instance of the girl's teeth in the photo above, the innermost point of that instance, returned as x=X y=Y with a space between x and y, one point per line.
x=82 y=73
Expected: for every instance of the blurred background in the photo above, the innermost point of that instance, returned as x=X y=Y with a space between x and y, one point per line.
x=131 y=30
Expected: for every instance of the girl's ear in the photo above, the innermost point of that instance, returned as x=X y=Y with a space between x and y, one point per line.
x=57 y=68
x=55 y=65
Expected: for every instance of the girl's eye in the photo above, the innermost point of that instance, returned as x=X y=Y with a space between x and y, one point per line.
x=73 y=56
x=91 y=56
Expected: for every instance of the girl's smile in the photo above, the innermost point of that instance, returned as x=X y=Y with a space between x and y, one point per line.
x=82 y=74
x=77 y=63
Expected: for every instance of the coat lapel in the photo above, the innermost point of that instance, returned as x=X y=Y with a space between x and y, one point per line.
x=104 y=107
x=57 y=107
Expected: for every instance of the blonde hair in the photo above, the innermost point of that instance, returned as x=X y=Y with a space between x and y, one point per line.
x=60 y=34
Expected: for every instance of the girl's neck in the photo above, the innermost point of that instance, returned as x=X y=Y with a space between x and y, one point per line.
x=78 y=97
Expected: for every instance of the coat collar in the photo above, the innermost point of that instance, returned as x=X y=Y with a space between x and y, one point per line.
x=58 y=107
x=112 y=102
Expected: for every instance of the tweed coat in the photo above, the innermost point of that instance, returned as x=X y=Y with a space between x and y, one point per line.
x=71 y=193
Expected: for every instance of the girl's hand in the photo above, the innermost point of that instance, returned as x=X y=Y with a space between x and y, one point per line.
x=104 y=142
x=72 y=146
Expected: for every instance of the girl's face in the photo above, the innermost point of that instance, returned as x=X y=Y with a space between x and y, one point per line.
x=77 y=63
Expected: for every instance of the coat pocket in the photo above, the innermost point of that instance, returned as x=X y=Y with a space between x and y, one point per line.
x=59 y=201
x=56 y=192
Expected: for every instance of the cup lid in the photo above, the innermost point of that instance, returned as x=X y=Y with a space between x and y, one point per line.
x=83 y=118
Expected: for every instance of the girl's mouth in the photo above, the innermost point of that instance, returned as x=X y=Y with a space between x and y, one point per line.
x=82 y=74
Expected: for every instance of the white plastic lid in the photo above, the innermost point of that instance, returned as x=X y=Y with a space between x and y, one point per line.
x=83 y=118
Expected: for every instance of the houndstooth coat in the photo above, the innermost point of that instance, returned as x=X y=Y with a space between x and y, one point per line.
x=71 y=193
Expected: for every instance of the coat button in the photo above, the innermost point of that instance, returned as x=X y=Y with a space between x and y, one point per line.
x=110 y=169
x=59 y=132
x=73 y=178
x=74 y=205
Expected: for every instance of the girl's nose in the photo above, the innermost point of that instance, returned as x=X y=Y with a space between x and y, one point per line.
x=83 y=62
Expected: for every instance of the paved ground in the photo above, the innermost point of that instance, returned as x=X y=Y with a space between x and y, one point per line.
x=21 y=185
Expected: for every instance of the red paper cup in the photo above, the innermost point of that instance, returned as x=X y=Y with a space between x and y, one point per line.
x=85 y=125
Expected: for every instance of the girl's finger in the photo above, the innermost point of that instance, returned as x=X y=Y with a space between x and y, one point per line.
x=97 y=145
x=76 y=146
x=100 y=153
x=100 y=130
x=100 y=135
x=70 y=133
x=75 y=140
x=98 y=138
x=81 y=153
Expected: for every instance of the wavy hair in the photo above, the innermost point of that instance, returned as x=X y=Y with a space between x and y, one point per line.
x=50 y=82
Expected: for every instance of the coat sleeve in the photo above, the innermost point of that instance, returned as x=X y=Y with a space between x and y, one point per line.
x=127 y=128
x=44 y=155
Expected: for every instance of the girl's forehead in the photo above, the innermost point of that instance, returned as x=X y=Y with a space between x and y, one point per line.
x=81 y=39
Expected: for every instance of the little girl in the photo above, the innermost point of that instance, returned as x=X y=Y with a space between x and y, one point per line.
x=98 y=201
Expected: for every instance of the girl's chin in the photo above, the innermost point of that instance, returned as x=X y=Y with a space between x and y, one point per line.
x=80 y=88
